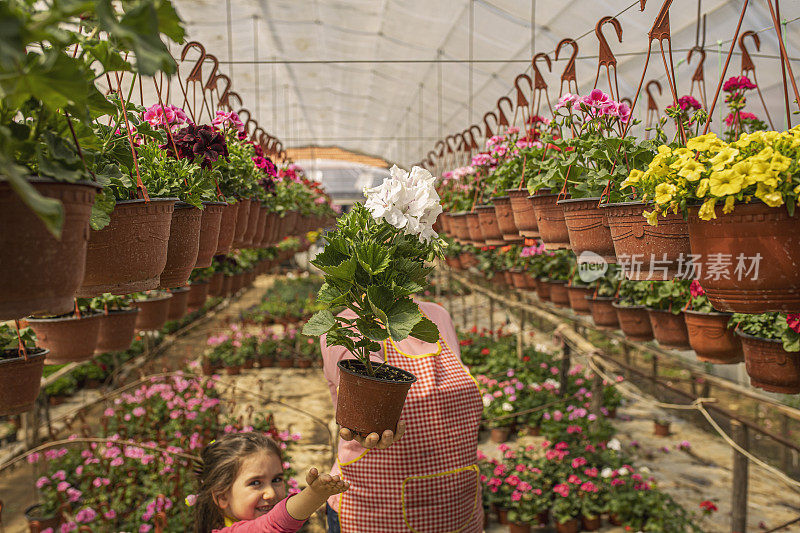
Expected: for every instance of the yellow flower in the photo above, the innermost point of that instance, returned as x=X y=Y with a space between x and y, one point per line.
x=691 y=170
x=765 y=154
x=779 y=163
x=769 y=195
x=723 y=158
x=702 y=187
x=726 y=182
x=703 y=142
x=728 y=207
x=664 y=150
x=651 y=216
x=752 y=170
x=633 y=178
x=707 y=210
x=664 y=192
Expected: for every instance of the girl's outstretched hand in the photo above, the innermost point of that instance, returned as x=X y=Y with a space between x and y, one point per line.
x=325 y=485
x=373 y=440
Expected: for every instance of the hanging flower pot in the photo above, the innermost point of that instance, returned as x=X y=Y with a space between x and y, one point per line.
x=769 y=366
x=444 y=220
x=270 y=229
x=577 y=295
x=20 y=379
x=261 y=227
x=502 y=516
x=215 y=285
x=290 y=223
x=505 y=220
x=550 y=219
x=459 y=225
x=661 y=428
x=603 y=313
x=474 y=228
x=634 y=322
x=524 y=214
x=198 y=294
x=178 y=303
x=227 y=228
x=359 y=393
x=559 y=294
x=711 y=338
x=129 y=254
x=286 y=362
x=184 y=241
x=587 y=227
x=237 y=282
x=227 y=285
x=152 y=312
x=117 y=329
x=233 y=370
x=648 y=252
x=242 y=220
x=543 y=290
x=487 y=223
x=669 y=329
x=68 y=338
x=519 y=279
x=210 y=224
x=266 y=361
x=39 y=273
x=760 y=246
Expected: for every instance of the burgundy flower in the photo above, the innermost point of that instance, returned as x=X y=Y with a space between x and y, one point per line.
x=738 y=82
x=198 y=141
x=266 y=165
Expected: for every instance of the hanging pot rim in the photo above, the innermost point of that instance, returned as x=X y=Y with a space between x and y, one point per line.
x=66 y=317
x=32 y=353
x=343 y=368
x=711 y=313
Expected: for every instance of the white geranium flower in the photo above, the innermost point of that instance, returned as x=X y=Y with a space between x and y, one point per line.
x=487 y=400
x=614 y=444
x=606 y=472
x=552 y=382
x=507 y=407
x=407 y=201
x=623 y=471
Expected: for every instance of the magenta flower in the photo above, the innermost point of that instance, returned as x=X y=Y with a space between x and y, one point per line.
x=156 y=115
x=743 y=115
x=223 y=119
x=86 y=515
x=738 y=82
x=42 y=481
x=793 y=320
x=561 y=489
x=73 y=495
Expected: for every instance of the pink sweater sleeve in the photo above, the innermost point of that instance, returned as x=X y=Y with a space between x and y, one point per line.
x=277 y=520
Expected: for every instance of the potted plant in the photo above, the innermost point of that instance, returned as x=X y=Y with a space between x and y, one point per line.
x=307 y=350
x=661 y=427
x=61 y=388
x=373 y=263
x=497 y=408
x=770 y=342
x=566 y=508
x=118 y=322
x=267 y=349
x=178 y=303
x=71 y=337
x=21 y=366
x=578 y=292
x=665 y=301
x=199 y=286
x=634 y=320
x=601 y=300
x=711 y=333
x=49 y=183
x=557 y=268
x=248 y=350
x=153 y=310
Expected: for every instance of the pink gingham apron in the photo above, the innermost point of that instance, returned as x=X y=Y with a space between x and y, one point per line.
x=429 y=481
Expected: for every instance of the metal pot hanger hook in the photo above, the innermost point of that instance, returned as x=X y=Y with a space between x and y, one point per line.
x=749 y=68
x=226 y=92
x=698 y=77
x=473 y=142
x=210 y=85
x=502 y=117
x=487 y=132
x=195 y=76
x=652 y=105
x=606 y=57
x=522 y=101
x=539 y=85
x=569 y=71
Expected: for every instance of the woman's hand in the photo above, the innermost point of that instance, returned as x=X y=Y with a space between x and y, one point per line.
x=373 y=440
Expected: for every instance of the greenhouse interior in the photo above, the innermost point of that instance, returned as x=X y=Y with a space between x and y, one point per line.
x=399 y=266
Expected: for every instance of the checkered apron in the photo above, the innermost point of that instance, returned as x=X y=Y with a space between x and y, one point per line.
x=429 y=481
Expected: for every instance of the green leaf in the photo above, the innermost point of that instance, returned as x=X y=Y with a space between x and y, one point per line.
x=345 y=270
x=373 y=257
x=402 y=318
x=425 y=330
x=381 y=301
x=330 y=295
x=319 y=324
x=372 y=330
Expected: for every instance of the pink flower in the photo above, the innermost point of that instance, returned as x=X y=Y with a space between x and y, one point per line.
x=568 y=100
x=34 y=457
x=68 y=526
x=156 y=115
x=86 y=515
x=575 y=480
x=589 y=487
x=108 y=412
x=117 y=461
x=687 y=101
x=578 y=462
x=138 y=411
x=110 y=514
x=591 y=472
x=61 y=475
x=738 y=82
x=561 y=489
x=42 y=481
x=144 y=528
x=743 y=115
x=73 y=495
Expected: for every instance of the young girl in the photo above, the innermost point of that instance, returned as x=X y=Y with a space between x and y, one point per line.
x=242 y=488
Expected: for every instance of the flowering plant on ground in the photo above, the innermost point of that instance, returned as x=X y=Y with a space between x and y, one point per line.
x=374 y=262
x=762 y=165
x=500 y=399
x=773 y=326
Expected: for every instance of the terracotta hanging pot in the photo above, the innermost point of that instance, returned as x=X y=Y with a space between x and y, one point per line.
x=499 y=435
x=559 y=294
x=20 y=379
x=459 y=225
x=286 y=363
x=198 y=294
x=210 y=224
x=524 y=214
x=261 y=227
x=711 y=338
x=519 y=279
x=502 y=517
x=68 y=338
x=474 y=228
x=508 y=277
x=227 y=283
x=178 y=303
x=550 y=219
x=587 y=227
x=444 y=220
x=661 y=429
x=543 y=290
x=227 y=228
x=237 y=282
x=577 y=298
x=752 y=234
x=215 y=288
x=290 y=223
x=603 y=312
x=648 y=252
x=242 y=220
x=769 y=366
x=467 y=259
x=570 y=526
x=266 y=361
x=117 y=329
x=369 y=404
x=505 y=220
x=233 y=370
x=129 y=254
x=269 y=229
x=669 y=329
x=487 y=223
x=39 y=273
x=634 y=322
x=184 y=242
x=153 y=313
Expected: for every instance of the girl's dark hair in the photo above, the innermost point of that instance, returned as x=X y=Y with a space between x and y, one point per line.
x=220 y=463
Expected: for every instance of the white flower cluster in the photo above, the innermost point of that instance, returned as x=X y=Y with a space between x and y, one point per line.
x=408 y=201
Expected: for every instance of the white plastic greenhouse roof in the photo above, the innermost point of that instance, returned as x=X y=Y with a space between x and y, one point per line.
x=362 y=74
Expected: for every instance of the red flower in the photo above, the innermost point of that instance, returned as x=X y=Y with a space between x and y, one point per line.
x=793 y=319
x=708 y=506
x=485 y=351
x=696 y=289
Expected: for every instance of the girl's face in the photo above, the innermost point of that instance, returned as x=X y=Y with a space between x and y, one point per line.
x=258 y=486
